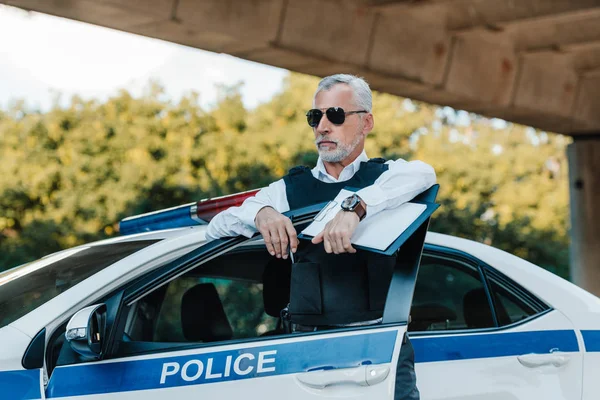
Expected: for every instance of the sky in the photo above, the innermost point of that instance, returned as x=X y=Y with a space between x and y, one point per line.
x=42 y=55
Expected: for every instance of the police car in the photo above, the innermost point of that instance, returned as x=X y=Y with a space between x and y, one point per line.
x=166 y=314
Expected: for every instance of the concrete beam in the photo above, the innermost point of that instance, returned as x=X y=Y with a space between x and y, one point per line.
x=255 y=21
x=581 y=46
x=469 y=14
x=402 y=4
x=101 y=12
x=588 y=101
x=586 y=60
x=591 y=73
x=327 y=29
x=547 y=83
x=482 y=69
x=565 y=35
x=215 y=25
x=283 y=57
x=403 y=48
x=159 y=8
x=175 y=31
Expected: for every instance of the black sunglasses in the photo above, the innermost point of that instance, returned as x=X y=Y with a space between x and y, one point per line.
x=335 y=115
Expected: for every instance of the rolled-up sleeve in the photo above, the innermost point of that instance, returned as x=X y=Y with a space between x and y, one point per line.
x=237 y=221
x=400 y=183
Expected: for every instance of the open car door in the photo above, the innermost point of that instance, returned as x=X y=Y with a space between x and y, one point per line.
x=351 y=362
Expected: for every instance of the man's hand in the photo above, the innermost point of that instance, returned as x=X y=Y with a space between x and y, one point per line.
x=337 y=233
x=277 y=231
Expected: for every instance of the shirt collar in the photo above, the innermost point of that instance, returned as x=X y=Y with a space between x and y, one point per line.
x=348 y=171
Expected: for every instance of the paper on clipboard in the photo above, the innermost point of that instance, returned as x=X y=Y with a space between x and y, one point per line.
x=377 y=231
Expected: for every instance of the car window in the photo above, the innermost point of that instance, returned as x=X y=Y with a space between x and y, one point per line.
x=27 y=287
x=227 y=298
x=449 y=295
x=241 y=301
x=510 y=306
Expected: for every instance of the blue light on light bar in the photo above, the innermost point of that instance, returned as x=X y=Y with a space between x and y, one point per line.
x=191 y=214
x=176 y=217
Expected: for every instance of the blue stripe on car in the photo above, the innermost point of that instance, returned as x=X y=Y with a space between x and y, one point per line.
x=194 y=369
x=465 y=347
x=294 y=357
x=591 y=340
x=24 y=384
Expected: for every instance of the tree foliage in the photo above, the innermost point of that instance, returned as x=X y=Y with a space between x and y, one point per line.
x=70 y=174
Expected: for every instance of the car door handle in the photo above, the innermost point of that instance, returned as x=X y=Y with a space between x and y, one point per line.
x=540 y=360
x=366 y=375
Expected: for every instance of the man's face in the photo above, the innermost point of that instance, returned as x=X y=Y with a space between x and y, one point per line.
x=336 y=143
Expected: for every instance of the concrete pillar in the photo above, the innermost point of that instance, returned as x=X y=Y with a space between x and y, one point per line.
x=584 y=188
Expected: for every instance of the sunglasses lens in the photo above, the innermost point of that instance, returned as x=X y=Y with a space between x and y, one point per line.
x=314 y=117
x=336 y=115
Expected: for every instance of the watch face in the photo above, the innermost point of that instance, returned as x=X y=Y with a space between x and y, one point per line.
x=349 y=202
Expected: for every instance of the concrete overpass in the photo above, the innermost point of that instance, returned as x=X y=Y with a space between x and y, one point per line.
x=535 y=62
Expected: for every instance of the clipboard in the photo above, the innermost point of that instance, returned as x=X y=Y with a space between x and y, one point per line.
x=426 y=198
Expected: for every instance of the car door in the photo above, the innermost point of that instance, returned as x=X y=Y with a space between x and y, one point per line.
x=479 y=335
x=357 y=362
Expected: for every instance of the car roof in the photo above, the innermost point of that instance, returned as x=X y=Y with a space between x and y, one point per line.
x=162 y=234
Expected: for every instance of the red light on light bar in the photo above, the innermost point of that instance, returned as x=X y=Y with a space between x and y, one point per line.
x=207 y=209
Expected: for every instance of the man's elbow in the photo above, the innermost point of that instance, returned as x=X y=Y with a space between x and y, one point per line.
x=427 y=172
x=430 y=176
x=211 y=232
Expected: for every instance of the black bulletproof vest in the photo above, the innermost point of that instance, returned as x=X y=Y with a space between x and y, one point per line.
x=333 y=289
x=303 y=189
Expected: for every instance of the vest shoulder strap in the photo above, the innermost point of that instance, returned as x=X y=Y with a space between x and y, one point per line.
x=298 y=170
x=377 y=160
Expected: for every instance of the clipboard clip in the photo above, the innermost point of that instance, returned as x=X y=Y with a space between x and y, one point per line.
x=328 y=207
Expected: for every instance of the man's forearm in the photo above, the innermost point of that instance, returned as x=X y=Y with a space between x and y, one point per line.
x=237 y=221
x=226 y=224
x=399 y=184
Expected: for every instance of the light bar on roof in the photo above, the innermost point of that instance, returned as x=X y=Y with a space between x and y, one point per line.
x=199 y=213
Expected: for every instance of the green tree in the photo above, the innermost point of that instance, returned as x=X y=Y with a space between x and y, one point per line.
x=70 y=174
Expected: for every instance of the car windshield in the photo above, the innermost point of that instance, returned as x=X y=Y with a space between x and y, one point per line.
x=24 y=288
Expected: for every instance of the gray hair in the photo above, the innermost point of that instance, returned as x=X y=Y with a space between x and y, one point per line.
x=362 y=93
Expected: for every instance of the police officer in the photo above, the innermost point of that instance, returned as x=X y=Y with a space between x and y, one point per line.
x=341 y=119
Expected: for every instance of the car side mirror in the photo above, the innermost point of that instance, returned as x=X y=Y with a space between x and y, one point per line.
x=86 y=331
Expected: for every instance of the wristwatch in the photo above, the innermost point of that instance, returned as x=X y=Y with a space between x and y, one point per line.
x=353 y=203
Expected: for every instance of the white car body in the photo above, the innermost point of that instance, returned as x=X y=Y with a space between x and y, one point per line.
x=502 y=362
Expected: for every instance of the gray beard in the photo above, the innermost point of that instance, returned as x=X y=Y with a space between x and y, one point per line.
x=336 y=155
x=340 y=153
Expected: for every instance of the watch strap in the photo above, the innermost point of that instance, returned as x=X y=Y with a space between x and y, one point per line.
x=360 y=211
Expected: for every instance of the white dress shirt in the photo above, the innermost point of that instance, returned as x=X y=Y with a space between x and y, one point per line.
x=400 y=183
